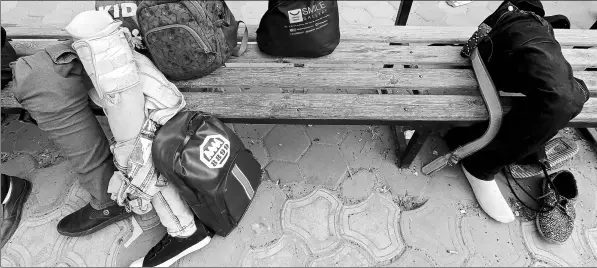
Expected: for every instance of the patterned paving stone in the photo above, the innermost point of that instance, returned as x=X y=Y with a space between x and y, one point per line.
x=355 y=4
x=567 y=254
x=31 y=139
x=429 y=11
x=403 y=181
x=252 y=131
x=118 y=255
x=586 y=204
x=358 y=186
x=354 y=15
x=451 y=11
x=592 y=238
x=313 y=219
x=284 y=173
x=494 y=244
x=54 y=189
x=19 y=166
x=257 y=149
x=286 y=252
x=380 y=237
x=381 y=10
x=413 y=257
x=259 y=228
x=452 y=185
x=57 y=16
x=332 y=135
x=382 y=22
x=9 y=134
x=493 y=5
x=261 y=223
x=323 y=165
x=459 y=20
x=368 y=147
x=104 y=240
x=254 y=10
x=346 y=256
x=37 y=9
x=25 y=248
x=286 y=142
x=442 y=243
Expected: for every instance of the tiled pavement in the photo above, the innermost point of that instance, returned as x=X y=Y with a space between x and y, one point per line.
x=332 y=195
x=581 y=13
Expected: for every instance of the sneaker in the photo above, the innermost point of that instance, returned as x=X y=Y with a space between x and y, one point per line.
x=555 y=220
x=12 y=210
x=88 y=220
x=170 y=249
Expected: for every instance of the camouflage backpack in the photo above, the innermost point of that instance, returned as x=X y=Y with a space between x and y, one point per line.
x=189 y=39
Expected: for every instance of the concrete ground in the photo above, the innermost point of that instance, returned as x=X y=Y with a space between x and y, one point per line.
x=332 y=195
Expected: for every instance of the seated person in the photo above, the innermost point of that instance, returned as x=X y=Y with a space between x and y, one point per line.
x=53 y=86
x=522 y=56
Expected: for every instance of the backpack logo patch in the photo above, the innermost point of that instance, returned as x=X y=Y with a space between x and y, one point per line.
x=295 y=16
x=215 y=151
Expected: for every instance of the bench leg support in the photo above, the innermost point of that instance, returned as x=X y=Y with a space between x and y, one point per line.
x=406 y=152
x=403 y=12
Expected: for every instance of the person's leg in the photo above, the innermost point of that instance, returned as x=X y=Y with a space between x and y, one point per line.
x=528 y=54
x=61 y=108
x=5 y=184
x=51 y=85
x=522 y=56
x=186 y=234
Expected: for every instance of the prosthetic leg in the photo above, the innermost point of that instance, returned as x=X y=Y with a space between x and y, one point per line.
x=487 y=193
x=491 y=97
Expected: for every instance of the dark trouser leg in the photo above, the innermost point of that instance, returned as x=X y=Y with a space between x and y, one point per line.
x=4 y=187
x=525 y=129
x=62 y=110
x=536 y=69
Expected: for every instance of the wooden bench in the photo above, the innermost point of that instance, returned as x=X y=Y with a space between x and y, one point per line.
x=367 y=80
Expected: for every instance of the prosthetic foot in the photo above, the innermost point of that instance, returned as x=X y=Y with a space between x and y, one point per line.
x=490 y=198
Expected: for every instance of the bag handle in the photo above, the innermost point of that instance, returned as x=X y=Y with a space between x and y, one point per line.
x=244 y=42
x=194 y=123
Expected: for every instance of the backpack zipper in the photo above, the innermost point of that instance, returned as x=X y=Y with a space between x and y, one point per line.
x=200 y=10
x=206 y=48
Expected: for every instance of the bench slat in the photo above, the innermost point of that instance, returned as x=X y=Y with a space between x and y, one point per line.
x=431 y=81
x=319 y=78
x=338 y=108
x=379 y=54
x=359 y=33
x=370 y=55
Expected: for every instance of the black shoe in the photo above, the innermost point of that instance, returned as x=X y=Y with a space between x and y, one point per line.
x=88 y=220
x=13 y=209
x=170 y=249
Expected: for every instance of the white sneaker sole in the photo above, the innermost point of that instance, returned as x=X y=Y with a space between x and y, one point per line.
x=198 y=246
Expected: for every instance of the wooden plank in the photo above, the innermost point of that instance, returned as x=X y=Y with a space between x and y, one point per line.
x=358 y=33
x=338 y=108
x=433 y=81
x=369 y=55
x=406 y=79
x=380 y=54
x=335 y=78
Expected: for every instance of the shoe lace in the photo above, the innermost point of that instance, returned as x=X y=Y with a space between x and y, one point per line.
x=159 y=246
x=508 y=174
